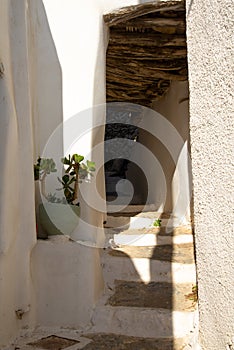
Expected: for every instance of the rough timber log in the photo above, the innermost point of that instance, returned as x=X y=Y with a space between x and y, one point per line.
x=127 y=13
x=157 y=25
x=146 y=39
x=146 y=53
x=165 y=65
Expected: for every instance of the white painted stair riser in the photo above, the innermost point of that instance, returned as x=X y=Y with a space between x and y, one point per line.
x=139 y=269
x=142 y=322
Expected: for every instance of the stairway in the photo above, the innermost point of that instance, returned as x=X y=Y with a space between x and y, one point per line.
x=149 y=300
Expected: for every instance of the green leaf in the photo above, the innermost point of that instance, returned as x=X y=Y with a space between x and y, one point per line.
x=77 y=158
x=91 y=165
x=157 y=223
x=71 y=180
x=66 y=160
x=65 y=178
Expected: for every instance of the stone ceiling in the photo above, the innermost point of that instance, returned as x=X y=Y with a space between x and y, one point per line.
x=146 y=51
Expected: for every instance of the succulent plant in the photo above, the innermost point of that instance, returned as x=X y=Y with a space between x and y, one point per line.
x=76 y=171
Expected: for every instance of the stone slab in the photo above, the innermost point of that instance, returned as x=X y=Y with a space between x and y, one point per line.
x=153 y=295
x=179 y=253
x=53 y=342
x=122 y=342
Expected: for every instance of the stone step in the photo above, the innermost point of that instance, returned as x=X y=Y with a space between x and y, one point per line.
x=155 y=309
x=138 y=239
x=177 y=253
x=144 y=322
x=135 y=269
x=154 y=295
x=101 y=341
x=148 y=236
x=131 y=222
x=143 y=220
x=131 y=210
x=159 y=231
x=58 y=338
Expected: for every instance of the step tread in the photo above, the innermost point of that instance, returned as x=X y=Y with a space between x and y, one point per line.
x=154 y=295
x=159 y=231
x=132 y=209
x=179 y=253
x=102 y=341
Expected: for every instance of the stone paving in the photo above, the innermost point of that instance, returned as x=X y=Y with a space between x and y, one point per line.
x=121 y=342
x=53 y=342
x=132 y=314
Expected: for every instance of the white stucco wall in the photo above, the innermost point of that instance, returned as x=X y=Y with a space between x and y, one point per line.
x=17 y=217
x=81 y=39
x=175 y=168
x=67 y=280
x=54 y=61
x=53 y=53
x=210 y=57
x=174 y=106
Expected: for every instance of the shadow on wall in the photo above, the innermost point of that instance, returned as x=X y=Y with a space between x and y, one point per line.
x=31 y=103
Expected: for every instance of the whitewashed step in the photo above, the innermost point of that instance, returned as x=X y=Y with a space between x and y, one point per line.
x=132 y=209
x=136 y=269
x=131 y=222
x=141 y=240
x=142 y=322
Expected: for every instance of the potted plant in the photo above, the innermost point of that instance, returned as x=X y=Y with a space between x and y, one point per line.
x=61 y=215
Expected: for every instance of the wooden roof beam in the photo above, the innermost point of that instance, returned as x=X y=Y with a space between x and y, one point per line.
x=127 y=13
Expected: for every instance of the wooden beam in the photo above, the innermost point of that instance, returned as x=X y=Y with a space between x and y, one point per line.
x=128 y=13
x=174 y=65
x=115 y=77
x=126 y=77
x=146 y=53
x=146 y=91
x=146 y=39
x=166 y=65
x=142 y=23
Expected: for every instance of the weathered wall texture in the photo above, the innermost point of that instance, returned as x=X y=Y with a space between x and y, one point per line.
x=170 y=172
x=17 y=218
x=51 y=63
x=80 y=39
x=210 y=57
x=67 y=279
x=174 y=107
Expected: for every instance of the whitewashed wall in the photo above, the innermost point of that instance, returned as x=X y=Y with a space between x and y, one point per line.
x=210 y=58
x=174 y=106
x=17 y=216
x=53 y=53
x=165 y=134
